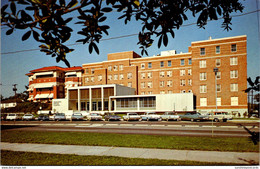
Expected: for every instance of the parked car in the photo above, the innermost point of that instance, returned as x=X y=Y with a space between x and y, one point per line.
x=43 y=117
x=3 y=117
x=150 y=116
x=219 y=116
x=131 y=116
x=28 y=117
x=77 y=116
x=194 y=117
x=170 y=116
x=94 y=116
x=112 y=117
x=12 y=116
x=59 y=116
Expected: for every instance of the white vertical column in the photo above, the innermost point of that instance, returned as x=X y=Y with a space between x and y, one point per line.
x=79 y=102
x=90 y=100
x=138 y=103
x=102 y=98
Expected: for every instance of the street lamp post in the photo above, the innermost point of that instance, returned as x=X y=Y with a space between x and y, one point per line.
x=216 y=71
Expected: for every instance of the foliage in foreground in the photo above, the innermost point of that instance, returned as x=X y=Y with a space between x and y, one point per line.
x=134 y=140
x=48 y=21
x=29 y=158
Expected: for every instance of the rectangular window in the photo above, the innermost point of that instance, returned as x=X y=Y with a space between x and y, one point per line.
x=162 y=92
x=99 y=77
x=129 y=75
x=190 y=82
x=203 y=64
x=121 y=67
x=115 y=77
x=92 y=79
x=189 y=71
x=169 y=91
x=142 y=85
x=182 y=62
x=142 y=93
x=234 y=87
x=203 y=89
x=150 y=92
x=150 y=84
x=218 y=75
x=169 y=73
x=217 y=49
x=233 y=74
x=203 y=101
x=150 y=65
x=233 y=61
x=234 y=101
x=149 y=75
x=86 y=71
x=218 y=62
x=142 y=75
x=115 y=68
x=190 y=62
x=161 y=83
x=129 y=84
x=142 y=65
x=219 y=101
x=182 y=72
x=121 y=76
x=109 y=68
x=182 y=82
x=162 y=64
x=203 y=76
x=109 y=77
x=202 y=51
x=169 y=63
x=92 y=71
x=169 y=83
x=233 y=48
x=162 y=74
x=218 y=88
x=87 y=79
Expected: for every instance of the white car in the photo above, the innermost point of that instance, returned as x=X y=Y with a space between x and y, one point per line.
x=12 y=116
x=131 y=116
x=94 y=116
x=28 y=117
x=150 y=116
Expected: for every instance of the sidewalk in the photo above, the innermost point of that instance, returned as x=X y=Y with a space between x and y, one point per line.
x=166 y=154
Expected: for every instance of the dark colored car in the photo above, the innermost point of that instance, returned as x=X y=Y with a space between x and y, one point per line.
x=43 y=117
x=59 y=116
x=77 y=116
x=194 y=117
x=112 y=117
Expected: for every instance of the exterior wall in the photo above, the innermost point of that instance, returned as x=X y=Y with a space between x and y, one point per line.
x=59 y=105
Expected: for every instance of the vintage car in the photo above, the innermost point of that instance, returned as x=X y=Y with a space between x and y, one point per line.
x=94 y=116
x=28 y=117
x=131 y=116
x=150 y=116
x=43 y=117
x=59 y=116
x=170 y=116
x=194 y=116
x=219 y=116
x=77 y=116
x=112 y=117
x=12 y=116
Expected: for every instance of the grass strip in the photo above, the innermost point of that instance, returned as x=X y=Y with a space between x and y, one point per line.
x=18 y=158
x=238 y=144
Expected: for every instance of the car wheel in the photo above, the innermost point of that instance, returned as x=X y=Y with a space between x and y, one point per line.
x=167 y=119
x=216 y=120
x=224 y=120
x=192 y=120
x=147 y=119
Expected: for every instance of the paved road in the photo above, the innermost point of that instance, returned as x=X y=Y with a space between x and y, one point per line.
x=151 y=128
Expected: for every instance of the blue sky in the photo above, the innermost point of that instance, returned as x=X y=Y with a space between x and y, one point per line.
x=15 y=66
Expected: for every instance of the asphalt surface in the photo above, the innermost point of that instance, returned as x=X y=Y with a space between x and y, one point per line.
x=136 y=127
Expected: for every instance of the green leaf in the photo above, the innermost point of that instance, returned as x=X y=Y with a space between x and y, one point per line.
x=102 y=19
x=26 y=35
x=165 y=39
x=66 y=62
x=36 y=35
x=9 y=32
x=72 y=3
x=68 y=20
x=96 y=48
x=90 y=47
x=160 y=41
x=107 y=9
x=4 y=8
x=13 y=8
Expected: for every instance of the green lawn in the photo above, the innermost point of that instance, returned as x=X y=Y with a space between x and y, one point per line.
x=131 y=140
x=35 y=159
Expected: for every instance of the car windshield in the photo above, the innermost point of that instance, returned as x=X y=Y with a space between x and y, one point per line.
x=150 y=113
x=170 y=113
x=77 y=114
x=11 y=114
x=133 y=114
x=60 y=114
x=94 y=114
x=28 y=115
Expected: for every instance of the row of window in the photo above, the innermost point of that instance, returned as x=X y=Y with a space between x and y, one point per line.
x=168 y=83
x=217 y=49
x=233 y=61
x=233 y=74
x=233 y=101
x=233 y=88
x=165 y=92
x=169 y=63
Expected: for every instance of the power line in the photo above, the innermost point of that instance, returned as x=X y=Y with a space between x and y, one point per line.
x=123 y=36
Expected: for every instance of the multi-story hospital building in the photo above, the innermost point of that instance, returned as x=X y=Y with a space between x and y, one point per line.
x=165 y=82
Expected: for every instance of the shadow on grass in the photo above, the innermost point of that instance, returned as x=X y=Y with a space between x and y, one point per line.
x=6 y=127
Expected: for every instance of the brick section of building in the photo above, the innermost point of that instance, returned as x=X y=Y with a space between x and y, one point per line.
x=169 y=72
